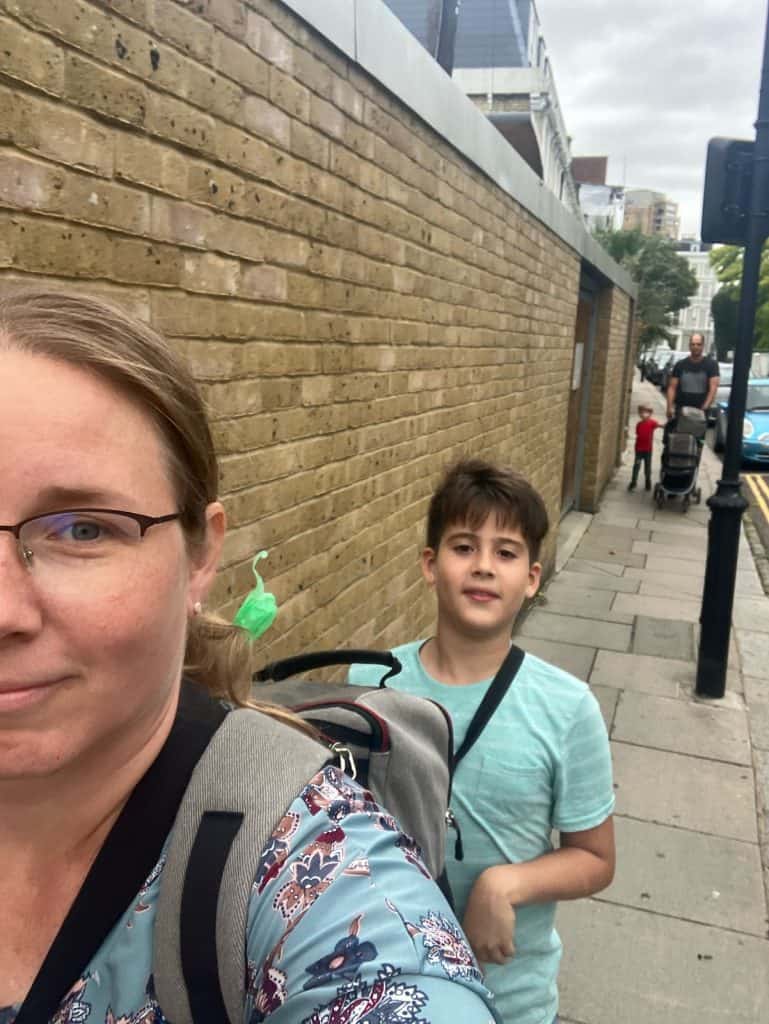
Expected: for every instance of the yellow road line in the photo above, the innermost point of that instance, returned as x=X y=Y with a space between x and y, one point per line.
x=762 y=484
x=757 y=489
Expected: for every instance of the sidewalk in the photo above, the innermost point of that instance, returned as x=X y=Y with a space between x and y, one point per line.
x=681 y=935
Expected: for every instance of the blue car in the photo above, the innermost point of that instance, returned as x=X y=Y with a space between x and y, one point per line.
x=755 y=426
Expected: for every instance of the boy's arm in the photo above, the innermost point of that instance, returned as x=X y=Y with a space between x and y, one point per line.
x=583 y=865
x=583 y=801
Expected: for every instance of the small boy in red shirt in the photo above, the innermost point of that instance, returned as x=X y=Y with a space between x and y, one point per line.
x=644 y=434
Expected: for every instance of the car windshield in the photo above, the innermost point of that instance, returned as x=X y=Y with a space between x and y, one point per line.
x=722 y=395
x=758 y=397
x=725 y=373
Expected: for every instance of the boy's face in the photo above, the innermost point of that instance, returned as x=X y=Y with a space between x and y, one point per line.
x=481 y=577
x=644 y=413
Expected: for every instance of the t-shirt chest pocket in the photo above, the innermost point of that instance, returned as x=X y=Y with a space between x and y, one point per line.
x=512 y=789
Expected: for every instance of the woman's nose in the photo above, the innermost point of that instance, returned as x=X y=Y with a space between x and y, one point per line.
x=19 y=605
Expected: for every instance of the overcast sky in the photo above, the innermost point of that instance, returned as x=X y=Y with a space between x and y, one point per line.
x=648 y=83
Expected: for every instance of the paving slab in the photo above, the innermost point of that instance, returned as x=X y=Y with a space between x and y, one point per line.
x=756 y=690
x=657 y=607
x=758 y=715
x=564 y=592
x=683 y=528
x=602 y=533
x=663 y=677
x=611 y=553
x=609 y=519
x=572 y=629
x=570 y=657
x=607 y=698
x=749 y=583
x=593 y=565
x=751 y=613
x=570 y=531
x=685 y=727
x=685 y=874
x=599 y=581
x=689 y=587
x=566 y=599
x=754 y=651
x=677 y=566
x=663 y=638
x=683 y=791
x=692 y=552
x=625 y=966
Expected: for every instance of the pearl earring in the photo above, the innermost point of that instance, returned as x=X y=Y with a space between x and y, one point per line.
x=197 y=608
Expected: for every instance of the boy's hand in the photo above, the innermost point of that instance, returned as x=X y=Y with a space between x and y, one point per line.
x=489 y=921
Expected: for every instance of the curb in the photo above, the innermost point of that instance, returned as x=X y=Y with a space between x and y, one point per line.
x=760 y=558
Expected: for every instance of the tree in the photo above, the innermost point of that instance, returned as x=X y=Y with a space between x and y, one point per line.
x=723 y=306
x=727 y=262
x=665 y=280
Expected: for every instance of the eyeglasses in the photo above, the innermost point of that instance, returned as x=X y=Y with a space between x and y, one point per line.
x=81 y=537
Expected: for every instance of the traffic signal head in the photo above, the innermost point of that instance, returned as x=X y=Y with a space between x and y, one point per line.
x=726 y=199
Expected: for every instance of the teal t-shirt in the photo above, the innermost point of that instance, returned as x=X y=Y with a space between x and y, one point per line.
x=542 y=763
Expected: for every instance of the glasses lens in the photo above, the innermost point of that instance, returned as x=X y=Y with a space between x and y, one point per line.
x=72 y=537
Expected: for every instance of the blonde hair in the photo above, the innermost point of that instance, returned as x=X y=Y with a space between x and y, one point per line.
x=96 y=336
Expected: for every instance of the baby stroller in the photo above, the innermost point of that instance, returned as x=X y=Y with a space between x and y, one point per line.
x=681 y=451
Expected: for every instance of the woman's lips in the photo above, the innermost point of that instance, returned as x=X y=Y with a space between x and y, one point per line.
x=16 y=696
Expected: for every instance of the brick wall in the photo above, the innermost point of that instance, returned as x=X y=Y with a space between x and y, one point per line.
x=359 y=303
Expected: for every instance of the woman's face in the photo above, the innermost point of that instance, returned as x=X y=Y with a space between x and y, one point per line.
x=92 y=643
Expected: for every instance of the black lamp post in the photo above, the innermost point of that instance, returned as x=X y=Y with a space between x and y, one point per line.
x=741 y=171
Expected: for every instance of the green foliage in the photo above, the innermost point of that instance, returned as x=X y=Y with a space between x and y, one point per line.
x=723 y=306
x=727 y=262
x=666 y=282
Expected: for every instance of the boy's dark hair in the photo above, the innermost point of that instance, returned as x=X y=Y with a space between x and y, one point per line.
x=472 y=489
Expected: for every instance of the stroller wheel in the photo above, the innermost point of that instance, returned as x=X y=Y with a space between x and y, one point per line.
x=685 y=504
x=659 y=496
x=698 y=495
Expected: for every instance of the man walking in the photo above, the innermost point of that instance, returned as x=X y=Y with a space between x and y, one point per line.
x=694 y=380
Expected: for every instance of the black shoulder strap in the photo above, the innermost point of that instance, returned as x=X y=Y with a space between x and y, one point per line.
x=506 y=673
x=125 y=861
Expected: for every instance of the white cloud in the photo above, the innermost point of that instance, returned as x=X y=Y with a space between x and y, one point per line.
x=648 y=84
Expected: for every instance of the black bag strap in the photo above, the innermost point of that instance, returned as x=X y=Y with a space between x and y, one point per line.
x=506 y=673
x=288 y=667
x=127 y=857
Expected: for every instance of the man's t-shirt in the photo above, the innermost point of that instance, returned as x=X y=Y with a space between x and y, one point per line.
x=694 y=380
x=542 y=763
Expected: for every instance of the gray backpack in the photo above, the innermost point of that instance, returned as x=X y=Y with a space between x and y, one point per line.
x=397 y=746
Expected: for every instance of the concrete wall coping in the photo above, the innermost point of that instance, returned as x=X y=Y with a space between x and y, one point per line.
x=370 y=34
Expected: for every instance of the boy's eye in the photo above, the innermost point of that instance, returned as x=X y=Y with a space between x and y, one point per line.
x=463 y=549
x=507 y=553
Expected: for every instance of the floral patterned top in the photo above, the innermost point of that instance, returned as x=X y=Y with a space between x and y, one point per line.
x=344 y=927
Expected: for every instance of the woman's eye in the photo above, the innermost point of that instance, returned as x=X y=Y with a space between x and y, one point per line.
x=85 y=530
x=79 y=531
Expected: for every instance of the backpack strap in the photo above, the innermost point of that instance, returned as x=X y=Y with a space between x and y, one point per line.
x=251 y=771
x=493 y=697
x=288 y=667
x=127 y=857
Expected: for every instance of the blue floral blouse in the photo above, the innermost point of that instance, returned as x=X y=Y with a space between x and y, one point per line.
x=344 y=927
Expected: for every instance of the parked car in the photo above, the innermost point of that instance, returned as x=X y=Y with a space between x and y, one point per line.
x=654 y=361
x=755 y=425
x=725 y=371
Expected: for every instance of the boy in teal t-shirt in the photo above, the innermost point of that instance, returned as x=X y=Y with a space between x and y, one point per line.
x=541 y=764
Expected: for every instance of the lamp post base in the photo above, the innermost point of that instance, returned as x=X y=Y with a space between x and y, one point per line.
x=727 y=506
